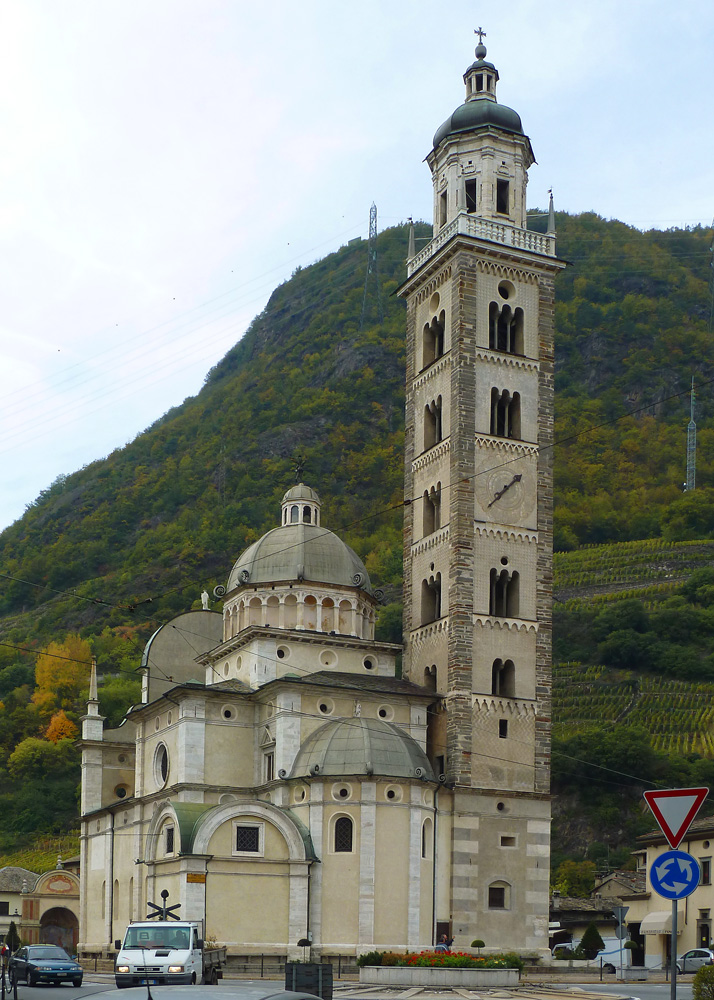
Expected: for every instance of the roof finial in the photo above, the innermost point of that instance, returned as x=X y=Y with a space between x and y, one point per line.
x=299 y=468
x=480 y=48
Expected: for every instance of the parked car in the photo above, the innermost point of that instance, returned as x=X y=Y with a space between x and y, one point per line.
x=692 y=960
x=44 y=963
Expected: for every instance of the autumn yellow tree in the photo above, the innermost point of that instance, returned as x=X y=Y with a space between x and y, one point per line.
x=62 y=677
x=61 y=728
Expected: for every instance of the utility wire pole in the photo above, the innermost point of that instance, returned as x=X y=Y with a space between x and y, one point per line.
x=691 y=444
x=372 y=270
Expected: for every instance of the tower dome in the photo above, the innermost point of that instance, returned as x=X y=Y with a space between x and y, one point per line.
x=481 y=109
x=300 y=549
x=361 y=746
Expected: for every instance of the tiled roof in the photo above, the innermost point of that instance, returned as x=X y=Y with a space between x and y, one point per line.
x=365 y=682
x=581 y=905
x=11 y=879
x=630 y=881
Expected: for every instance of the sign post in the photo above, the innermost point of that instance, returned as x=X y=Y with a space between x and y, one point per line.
x=675 y=874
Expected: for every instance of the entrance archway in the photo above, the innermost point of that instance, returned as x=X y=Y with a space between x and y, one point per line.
x=59 y=926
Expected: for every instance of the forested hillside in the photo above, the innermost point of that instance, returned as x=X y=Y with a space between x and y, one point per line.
x=109 y=552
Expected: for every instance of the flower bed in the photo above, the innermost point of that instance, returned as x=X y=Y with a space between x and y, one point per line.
x=429 y=968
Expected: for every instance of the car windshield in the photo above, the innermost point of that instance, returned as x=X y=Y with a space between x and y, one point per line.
x=157 y=937
x=48 y=951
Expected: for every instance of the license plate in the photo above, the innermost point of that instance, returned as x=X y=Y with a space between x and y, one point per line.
x=149 y=982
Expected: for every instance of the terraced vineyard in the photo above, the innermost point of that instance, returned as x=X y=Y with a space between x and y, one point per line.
x=678 y=715
x=647 y=568
x=41 y=856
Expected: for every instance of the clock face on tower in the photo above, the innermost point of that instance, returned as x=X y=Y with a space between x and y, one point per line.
x=505 y=491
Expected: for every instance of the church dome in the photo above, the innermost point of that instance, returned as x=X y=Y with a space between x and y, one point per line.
x=479 y=114
x=361 y=746
x=481 y=109
x=300 y=549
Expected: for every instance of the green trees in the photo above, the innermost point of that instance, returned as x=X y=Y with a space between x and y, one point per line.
x=591 y=942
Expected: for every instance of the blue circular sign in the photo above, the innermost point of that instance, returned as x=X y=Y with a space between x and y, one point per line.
x=675 y=874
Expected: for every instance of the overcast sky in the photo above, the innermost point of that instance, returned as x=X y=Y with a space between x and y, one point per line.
x=166 y=163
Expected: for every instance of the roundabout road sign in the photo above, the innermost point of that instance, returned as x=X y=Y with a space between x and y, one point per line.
x=675 y=874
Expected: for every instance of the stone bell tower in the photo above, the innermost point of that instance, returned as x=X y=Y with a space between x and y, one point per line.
x=478 y=524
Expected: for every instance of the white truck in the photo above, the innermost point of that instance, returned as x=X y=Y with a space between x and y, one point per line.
x=162 y=952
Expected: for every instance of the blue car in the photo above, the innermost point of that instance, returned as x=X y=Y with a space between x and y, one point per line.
x=44 y=963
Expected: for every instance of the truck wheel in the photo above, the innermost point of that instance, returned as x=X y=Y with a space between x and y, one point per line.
x=193 y=979
x=214 y=977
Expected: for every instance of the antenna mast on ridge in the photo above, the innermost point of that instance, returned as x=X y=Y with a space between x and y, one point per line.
x=691 y=445
x=372 y=269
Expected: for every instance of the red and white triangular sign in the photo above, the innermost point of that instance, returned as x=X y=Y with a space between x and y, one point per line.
x=674 y=809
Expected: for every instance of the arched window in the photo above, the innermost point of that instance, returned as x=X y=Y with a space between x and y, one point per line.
x=432 y=423
x=499 y=895
x=430 y=677
x=504 y=594
x=431 y=599
x=432 y=510
x=343 y=835
x=426 y=838
x=433 y=339
x=503 y=679
x=505 y=329
x=306 y=515
x=505 y=414
x=294 y=514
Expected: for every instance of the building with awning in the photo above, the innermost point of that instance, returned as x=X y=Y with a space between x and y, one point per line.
x=660 y=922
x=654 y=912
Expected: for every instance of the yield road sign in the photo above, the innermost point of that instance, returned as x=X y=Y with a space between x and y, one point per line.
x=674 y=809
x=675 y=874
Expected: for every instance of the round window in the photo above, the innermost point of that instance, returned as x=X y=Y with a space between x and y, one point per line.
x=161 y=764
x=506 y=290
x=341 y=792
x=121 y=791
x=326 y=706
x=368 y=663
x=282 y=652
x=385 y=712
x=328 y=658
x=228 y=712
x=393 y=793
x=434 y=301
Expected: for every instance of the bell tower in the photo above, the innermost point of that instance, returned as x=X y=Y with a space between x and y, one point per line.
x=478 y=524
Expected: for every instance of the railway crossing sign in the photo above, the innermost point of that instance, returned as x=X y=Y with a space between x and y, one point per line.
x=675 y=874
x=674 y=809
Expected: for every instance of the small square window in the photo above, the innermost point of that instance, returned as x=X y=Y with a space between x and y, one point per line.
x=268 y=766
x=4 y=909
x=169 y=840
x=503 y=728
x=706 y=867
x=248 y=839
x=507 y=840
x=496 y=897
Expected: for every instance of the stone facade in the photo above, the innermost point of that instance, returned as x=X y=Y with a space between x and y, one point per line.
x=276 y=759
x=478 y=533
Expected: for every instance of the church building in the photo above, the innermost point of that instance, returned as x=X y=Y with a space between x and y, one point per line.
x=279 y=779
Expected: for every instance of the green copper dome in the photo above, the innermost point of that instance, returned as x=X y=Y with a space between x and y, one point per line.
x=361 y=746
x=479 y=114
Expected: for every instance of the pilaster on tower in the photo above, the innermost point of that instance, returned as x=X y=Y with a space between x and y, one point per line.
x=478 y=481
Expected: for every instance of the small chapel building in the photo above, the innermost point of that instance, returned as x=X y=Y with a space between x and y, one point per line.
x=279 y=779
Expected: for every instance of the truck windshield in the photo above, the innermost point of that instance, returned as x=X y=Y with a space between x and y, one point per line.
x=156 y=937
